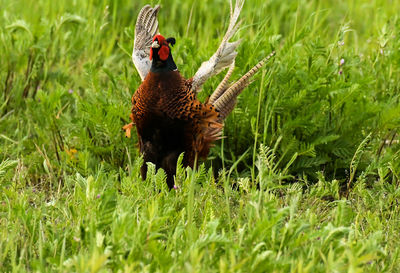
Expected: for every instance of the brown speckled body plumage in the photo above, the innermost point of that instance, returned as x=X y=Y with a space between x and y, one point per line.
x=170 y=120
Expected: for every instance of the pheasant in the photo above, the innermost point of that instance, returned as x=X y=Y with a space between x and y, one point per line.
x=168 y=117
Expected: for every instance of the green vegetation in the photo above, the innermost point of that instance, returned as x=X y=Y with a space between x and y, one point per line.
x=306 y=180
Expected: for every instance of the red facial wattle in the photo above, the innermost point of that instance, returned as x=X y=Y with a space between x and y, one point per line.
x=163 y=51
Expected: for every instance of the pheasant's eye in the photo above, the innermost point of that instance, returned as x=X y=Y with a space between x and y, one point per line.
x=155 y=44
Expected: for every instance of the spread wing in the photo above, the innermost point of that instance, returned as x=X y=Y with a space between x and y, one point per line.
x=225 y=54
x=145 y=29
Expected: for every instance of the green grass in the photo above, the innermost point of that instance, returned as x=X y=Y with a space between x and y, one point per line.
x=306 y=179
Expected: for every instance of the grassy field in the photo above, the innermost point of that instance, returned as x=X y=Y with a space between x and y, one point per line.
x=306 y=180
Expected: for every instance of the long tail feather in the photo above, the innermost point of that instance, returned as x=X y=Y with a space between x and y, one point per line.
x=222 y=86
x=227 y=98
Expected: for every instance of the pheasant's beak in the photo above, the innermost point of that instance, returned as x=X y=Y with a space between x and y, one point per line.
x=155 y=44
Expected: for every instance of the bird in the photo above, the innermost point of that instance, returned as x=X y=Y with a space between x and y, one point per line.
x=168 y=117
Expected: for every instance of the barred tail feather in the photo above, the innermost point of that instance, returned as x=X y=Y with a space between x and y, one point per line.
x=226 y=99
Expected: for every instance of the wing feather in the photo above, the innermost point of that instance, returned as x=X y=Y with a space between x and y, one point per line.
x=225 y=54
x=145 y=29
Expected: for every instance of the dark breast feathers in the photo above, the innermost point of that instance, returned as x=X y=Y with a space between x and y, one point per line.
x=170 y=120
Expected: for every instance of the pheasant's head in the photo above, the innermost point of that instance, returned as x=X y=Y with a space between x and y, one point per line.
x=160 y=54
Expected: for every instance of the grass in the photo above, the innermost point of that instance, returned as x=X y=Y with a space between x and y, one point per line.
x=305 y=181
